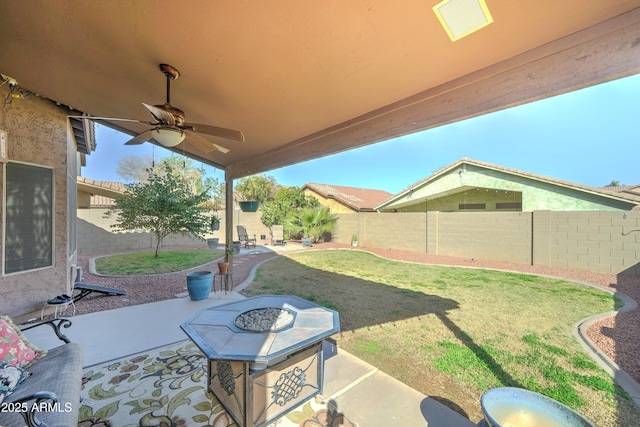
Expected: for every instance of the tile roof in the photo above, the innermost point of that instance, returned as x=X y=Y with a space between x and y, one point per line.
x=629 y=190
x=97 y=201
x=360 y=199
x=114 y=186
x=102 y=192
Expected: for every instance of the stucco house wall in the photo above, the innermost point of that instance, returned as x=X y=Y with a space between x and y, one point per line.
x=333 y=205
x=472 y=182
x=470 y=196
x=39 y=133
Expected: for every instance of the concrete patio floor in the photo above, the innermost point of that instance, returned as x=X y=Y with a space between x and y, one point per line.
x=362 y=392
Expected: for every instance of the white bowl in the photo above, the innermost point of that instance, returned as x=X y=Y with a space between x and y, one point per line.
x=517 y=407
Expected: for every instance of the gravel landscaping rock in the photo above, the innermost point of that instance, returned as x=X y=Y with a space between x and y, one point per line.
x=264 y=319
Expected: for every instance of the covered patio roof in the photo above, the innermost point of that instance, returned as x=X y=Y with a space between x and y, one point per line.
x=303 y=80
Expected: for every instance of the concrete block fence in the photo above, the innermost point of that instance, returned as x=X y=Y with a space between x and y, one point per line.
x=601 y=241
x=95 y=235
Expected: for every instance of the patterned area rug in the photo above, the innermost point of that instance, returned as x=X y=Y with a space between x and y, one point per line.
x=166 y=387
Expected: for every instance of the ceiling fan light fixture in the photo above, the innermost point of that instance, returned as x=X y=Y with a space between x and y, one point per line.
x=462 y=17
x=168 y=137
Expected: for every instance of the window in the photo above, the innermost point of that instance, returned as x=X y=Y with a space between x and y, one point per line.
x=509 y=205
x=29 y=208
x=470 y=206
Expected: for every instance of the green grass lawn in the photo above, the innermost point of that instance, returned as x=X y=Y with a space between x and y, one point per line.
x=146 y=263
x=453 y=333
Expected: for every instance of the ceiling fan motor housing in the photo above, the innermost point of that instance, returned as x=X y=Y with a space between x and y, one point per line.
x=177 y=113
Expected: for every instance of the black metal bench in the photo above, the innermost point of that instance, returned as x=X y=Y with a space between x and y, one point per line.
x=86 y=289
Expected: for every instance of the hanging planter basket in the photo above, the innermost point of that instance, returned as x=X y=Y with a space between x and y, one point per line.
x=249 y=206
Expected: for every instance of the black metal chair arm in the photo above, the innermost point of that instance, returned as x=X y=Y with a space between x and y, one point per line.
x=56 y=325
x=32 y=409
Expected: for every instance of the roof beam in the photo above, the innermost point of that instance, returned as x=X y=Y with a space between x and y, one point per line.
x=601 y=53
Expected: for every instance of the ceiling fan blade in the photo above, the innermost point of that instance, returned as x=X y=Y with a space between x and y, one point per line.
x=222 y=149
x=163 y=116
x=139 y=139
x=235 y=135
x=112 y=119
x=204 y=144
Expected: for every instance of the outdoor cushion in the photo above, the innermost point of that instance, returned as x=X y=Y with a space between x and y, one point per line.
x=15 y=349
x=10 y=377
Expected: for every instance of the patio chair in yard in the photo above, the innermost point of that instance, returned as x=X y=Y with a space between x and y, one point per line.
x=244 y=238
x=277 y=235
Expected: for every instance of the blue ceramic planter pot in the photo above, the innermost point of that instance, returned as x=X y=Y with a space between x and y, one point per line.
x=199 y=284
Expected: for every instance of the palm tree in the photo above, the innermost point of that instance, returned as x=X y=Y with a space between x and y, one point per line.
x=311 y=222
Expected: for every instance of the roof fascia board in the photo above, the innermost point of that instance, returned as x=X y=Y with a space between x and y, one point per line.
x=418 y=185
x=94 y=189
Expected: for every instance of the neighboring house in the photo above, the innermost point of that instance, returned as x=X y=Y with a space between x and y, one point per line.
x=341 y=199
x=97 y=194
x=472 y=185
x=44 y=153
x=632 y=191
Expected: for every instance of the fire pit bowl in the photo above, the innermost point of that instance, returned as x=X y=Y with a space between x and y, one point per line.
x=264 y=319
x=516 y=407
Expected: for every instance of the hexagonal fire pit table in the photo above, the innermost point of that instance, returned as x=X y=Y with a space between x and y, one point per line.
x=265 y=354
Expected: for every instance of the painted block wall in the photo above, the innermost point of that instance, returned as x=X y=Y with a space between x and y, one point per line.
x=95 y=235
x=504 y=236
x=607 y=242
x=601 y=241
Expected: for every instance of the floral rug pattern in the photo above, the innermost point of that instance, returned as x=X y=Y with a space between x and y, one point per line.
x=166 y=387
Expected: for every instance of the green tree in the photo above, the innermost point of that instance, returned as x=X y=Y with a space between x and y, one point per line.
x=614 y=183
x=312 y=222
x=257 y=187
x=163 y=205
x=286 y=201
x=216 y=189
x=184 y=169
x=196 y=178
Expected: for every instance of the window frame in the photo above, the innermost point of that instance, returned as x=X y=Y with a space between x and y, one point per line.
x=52 y=209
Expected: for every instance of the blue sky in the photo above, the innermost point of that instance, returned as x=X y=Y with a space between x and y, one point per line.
x=589 y=137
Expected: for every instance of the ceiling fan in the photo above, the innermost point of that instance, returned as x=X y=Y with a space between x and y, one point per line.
x=170 y=129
